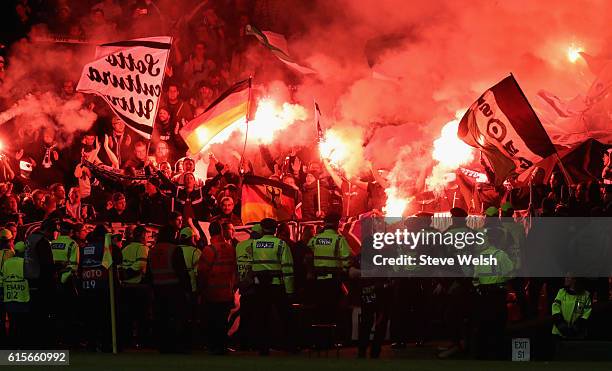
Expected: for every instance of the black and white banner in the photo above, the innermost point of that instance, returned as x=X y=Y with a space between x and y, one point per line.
x=502 y=124
x=128 y=76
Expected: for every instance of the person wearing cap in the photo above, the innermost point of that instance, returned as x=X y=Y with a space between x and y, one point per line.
x=331 y=253
x=244 y=262
x=272 y=268
x=65 y=252
x=15 y=298
x=6 y=253
x=217 y=278
x=134 y=264
x=134 y=293
x=490 y=312
x=41 y=272
x=191 y=254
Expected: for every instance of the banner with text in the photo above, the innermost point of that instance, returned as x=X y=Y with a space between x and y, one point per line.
x=502 y=124
x=128 y=76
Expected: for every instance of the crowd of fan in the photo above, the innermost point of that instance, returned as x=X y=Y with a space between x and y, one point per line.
x=45 y=181
x=40 y=164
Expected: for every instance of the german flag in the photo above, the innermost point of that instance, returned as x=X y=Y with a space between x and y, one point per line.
x=266 y=198
x=228 y=108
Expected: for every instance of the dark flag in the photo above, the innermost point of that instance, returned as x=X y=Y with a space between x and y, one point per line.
x=267 y=198
x=503 y=125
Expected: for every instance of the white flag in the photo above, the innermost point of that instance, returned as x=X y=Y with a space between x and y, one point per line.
x=128 y=76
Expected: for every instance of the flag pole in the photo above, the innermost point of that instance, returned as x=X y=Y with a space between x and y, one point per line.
x=319 y=196
x=246 y=133
x=111 y=281
x=566 y=175
x=157 y=106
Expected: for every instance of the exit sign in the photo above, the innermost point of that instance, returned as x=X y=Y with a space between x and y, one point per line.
x=521 y=348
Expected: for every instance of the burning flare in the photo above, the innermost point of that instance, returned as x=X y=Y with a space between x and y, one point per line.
x=395 y=205
x=270 y=119
x=333 y=148
x=573 y=53
x=449 y=150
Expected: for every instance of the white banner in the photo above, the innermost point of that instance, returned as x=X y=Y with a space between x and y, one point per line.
x=128 y=76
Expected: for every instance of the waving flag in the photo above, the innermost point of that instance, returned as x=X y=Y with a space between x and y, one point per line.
x=128 y=75
x=228 y=108
x=267 y=198
x=502 y=124
x=278 y=46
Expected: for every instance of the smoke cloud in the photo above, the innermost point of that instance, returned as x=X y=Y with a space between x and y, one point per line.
x=391 y=73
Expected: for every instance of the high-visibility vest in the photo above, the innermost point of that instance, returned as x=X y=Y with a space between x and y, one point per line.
x=135 y=258
x=16 y=287
x=571 y=307
x=493 y=274
x=218 y=266
x=272 y=257
x=5 y=254
x=331 y=254
x=94 y=264
x=65 y=252
x=160 y=264
x=244 y=258
x=192 y=257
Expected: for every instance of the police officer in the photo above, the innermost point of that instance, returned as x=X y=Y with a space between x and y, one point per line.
x=171 y=292
x=273 y=280
x=331 y=254
x=135 y=296
x=6 y=252
x=16 y=294
x=93 y=275
x=42 y=276
x=65 y=252
x=490 y=313
x=244 y=261
x=191 y=254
